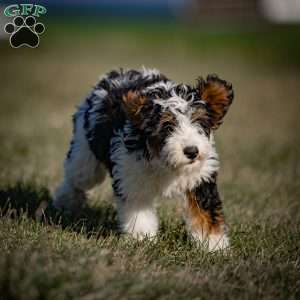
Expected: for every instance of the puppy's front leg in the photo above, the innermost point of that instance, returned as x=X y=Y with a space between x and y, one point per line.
x=137 y=218
x=205 y=218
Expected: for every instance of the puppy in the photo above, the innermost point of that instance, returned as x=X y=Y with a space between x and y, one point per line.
x=155 y=138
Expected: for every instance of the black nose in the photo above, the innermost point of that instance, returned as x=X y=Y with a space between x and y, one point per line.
x=191 y=152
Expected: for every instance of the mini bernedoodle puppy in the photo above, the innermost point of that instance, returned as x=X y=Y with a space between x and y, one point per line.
x=155 y=138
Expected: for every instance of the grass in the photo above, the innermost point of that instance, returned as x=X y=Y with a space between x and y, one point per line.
x=48 y=256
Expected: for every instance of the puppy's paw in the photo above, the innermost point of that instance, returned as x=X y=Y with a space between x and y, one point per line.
x=68 y=200
x=141 y=224
x=212 y=242
x=218 y=242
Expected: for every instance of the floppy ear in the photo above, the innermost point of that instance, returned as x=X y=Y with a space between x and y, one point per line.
x=133 y=103
x=218 y=95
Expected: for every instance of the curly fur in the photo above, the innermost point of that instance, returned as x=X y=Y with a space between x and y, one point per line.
x=155 y=138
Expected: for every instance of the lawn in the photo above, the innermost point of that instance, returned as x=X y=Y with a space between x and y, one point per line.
x=48 y=256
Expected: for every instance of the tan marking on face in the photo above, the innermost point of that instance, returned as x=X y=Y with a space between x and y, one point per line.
x=198 y=115
x=166 y=118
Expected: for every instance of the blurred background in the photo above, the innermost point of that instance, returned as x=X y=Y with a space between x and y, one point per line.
x=255 y=44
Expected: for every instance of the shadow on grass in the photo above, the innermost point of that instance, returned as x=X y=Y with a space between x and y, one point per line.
x=36 y=203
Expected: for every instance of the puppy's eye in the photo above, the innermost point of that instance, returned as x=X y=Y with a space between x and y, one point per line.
x=205 y=130
x=168 y=126
x=155 y=94
x=190 y=97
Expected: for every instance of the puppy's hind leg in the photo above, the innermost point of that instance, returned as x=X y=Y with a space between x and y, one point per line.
x=82 y=171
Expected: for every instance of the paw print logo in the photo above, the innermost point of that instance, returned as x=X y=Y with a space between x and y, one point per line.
x=24 y=32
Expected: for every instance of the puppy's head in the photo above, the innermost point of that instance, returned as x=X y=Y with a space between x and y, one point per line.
x=176 y=121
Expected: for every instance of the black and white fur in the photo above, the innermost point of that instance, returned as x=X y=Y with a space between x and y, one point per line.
x=155 y=138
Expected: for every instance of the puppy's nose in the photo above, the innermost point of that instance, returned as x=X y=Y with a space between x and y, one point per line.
x=191 y=152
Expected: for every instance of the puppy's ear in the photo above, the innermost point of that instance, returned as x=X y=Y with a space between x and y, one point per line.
x=218 y=95
x=133 y=103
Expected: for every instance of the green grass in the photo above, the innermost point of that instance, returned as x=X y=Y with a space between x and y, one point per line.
x=48 y=256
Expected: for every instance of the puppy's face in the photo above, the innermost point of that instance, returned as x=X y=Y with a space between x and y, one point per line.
x=176 y=121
